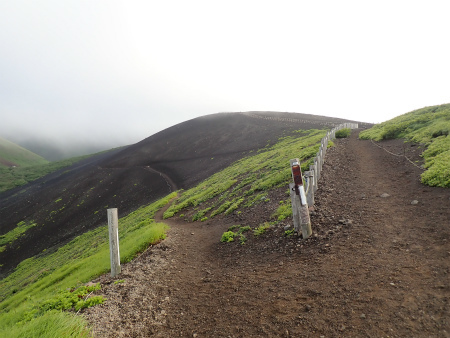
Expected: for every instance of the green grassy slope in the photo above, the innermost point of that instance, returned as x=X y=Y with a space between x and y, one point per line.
x=429 y=126
x=26 y=292
x=38 y=279
x=246 y=181
x=15 y=177
x=12 y=154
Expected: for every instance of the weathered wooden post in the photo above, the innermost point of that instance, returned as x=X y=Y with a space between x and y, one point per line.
x=298 y=200
x=113 y=229
x=313 y=178
x=309 y=176
x=316 y=175
x=295 y=202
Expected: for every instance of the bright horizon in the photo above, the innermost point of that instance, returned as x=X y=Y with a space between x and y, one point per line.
x=116 y=72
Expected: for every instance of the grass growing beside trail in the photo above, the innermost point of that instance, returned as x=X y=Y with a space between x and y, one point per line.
x=429 y=126
x=246 y=181
x=37 y=280
x=343 y=133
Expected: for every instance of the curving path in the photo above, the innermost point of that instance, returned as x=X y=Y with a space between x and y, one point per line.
x=376 y=267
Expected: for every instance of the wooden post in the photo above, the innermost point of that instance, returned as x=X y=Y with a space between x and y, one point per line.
x=295 y=202
x=312 y=169
x=310 y=187
x=305 y=221
x=113 y=228
x=298 y=200
x=316 y=175
x=320 y=161
x=318 y=166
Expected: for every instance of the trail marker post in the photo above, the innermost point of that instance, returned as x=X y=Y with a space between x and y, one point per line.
x=113 y=229
x=300 y=212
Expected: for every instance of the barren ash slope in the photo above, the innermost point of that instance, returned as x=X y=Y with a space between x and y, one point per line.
x=74 y=200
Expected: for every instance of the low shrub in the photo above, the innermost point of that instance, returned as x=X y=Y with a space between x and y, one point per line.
x=343 y=133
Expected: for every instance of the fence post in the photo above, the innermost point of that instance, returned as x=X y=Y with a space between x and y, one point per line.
x=312 y=169
x=113 y=229
x=295 y=202
x=309 y=175
x=316 y=174
x=298 y=200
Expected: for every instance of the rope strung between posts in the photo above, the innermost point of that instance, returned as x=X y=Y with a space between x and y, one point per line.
x=399 y=155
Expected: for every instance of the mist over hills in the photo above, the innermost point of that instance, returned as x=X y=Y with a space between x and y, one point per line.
x=54 y=149
x=73 y=200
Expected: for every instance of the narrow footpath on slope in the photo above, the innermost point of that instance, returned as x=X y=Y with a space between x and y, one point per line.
x=376 y=266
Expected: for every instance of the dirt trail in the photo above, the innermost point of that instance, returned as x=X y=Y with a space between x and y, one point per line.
x=376 y=267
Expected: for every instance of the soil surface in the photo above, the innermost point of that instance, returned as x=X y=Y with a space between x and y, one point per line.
x=377 y=264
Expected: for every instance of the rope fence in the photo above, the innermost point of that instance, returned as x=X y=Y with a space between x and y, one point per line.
x=399 y=155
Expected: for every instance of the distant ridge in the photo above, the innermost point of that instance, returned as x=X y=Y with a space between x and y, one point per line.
x=13 y=155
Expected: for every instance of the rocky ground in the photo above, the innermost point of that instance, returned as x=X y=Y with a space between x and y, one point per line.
x=377 y=264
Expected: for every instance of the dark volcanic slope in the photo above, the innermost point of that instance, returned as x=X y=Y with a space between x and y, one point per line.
x=74 y=200
x=193 y=150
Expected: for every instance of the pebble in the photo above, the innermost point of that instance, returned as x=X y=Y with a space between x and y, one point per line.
x=384 y=195
x=363 y=316
x=414 y=202
x=346 y=221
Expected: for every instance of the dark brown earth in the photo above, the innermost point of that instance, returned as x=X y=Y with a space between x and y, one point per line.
x=74 y=200
x=375 y=266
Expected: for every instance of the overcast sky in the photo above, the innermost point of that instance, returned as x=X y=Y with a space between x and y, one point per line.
x=120 y=71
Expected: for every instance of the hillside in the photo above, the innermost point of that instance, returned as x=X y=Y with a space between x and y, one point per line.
x=13 y=155
x=374 y=263
x=427 y=127
x=73 y=200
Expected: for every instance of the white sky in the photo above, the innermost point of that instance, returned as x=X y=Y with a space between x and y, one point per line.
x=120 y=71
